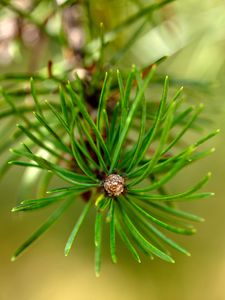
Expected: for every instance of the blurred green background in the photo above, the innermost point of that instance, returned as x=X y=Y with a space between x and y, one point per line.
x=192 y=33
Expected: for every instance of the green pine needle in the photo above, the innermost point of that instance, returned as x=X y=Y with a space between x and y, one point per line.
x=77 y=227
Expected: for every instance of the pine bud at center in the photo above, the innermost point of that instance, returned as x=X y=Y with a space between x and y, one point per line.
x=114 y=185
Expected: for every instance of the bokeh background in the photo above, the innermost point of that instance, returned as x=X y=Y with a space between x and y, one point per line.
x=192 y=33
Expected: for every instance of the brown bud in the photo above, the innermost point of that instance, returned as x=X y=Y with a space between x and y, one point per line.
x=114 y=185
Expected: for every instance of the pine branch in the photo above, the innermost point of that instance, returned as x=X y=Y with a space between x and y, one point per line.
x=112 y=183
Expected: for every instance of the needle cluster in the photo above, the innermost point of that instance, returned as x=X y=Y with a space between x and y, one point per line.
x=118 y=161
